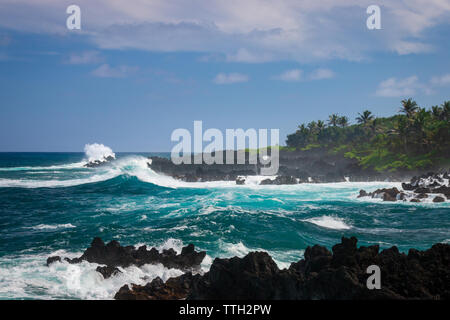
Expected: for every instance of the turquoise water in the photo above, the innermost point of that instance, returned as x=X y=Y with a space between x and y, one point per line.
x=51 y=204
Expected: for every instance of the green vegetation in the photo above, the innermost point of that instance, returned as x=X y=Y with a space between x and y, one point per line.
x=415 y=138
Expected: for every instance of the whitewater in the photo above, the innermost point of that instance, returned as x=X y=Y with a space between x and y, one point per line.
x=51 y=204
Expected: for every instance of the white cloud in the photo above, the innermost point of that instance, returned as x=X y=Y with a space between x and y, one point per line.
x=290 y=75
x=243 y=55
x=86 y=57
x=408 y=47
x=320 y=74
x=297 y=75
x=106 y=71
x=441 y=80
x=241 y=31
x=409 y=86
x=223 y=78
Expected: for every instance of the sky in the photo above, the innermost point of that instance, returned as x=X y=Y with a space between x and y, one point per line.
x=137 y=70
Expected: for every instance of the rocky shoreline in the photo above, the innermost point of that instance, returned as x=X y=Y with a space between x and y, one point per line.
x=339 y=274
x=310 y=166
x=113 y=255
x=433 y=186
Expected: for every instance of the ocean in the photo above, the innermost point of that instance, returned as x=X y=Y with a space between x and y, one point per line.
x=50 y=204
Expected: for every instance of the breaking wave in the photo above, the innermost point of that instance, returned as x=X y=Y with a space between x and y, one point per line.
x=98 y=152
x=329 y=222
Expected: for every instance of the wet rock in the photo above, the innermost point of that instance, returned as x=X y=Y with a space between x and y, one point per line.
x=443 y=189
x=407 y=186
x=422 y=190
x=97 y=163
x=240 y=181
x=339 y=274
x=418 y=188
x=438 y=199
x=173 y=289
x=414 y=200
x=53 y=259
x=107 y=271
x=388 y=197
x=363 y=193
x=387 y=194
x=280 y=180
x=115 y=255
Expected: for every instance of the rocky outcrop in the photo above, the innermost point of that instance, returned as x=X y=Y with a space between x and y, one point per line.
x=317 y=165
x=114 y=255
x=173 y=289
x=387 y=194
x=339 y=274
x=97 y=163
x=431 y=185
x=279 y=180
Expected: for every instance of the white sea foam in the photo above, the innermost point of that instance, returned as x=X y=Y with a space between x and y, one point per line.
x=283 y=258
x=31 y=183
x=52 y=226
x=31 y=278
x=69 y=166
x=329 y=222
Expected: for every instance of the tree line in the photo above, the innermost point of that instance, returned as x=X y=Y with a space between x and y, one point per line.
x=413 y=138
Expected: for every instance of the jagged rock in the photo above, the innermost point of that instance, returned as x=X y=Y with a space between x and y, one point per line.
x=115 y=255
x=387 y=194
x=414 y=200
x=96 y=163
x=53 y=259
x=173 y=289
x=438 y=199
x=107 y=271
x=240 y=181
x=443 y=189
x=363 y=193
x=407 y=186
x=280 y=180
x=418 y=188
x=340 y=274
x=422 y=190
x=389 y=197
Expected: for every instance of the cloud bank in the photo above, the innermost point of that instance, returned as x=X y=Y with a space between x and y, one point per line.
x=250 y=31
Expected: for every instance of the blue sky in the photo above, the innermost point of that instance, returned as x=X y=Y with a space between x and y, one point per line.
x=138 y=70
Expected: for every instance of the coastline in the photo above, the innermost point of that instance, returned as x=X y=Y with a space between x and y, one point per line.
x=339 y=274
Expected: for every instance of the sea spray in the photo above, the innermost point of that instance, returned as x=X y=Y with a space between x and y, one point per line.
x=98 y=152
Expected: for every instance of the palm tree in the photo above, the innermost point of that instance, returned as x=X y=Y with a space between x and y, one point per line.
x=446 y=110
x=312 y=126
x=409 y=107
x=365 y=117
x=373 y=125
x=333 y=120
x=320 y=125
x=343 y=121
